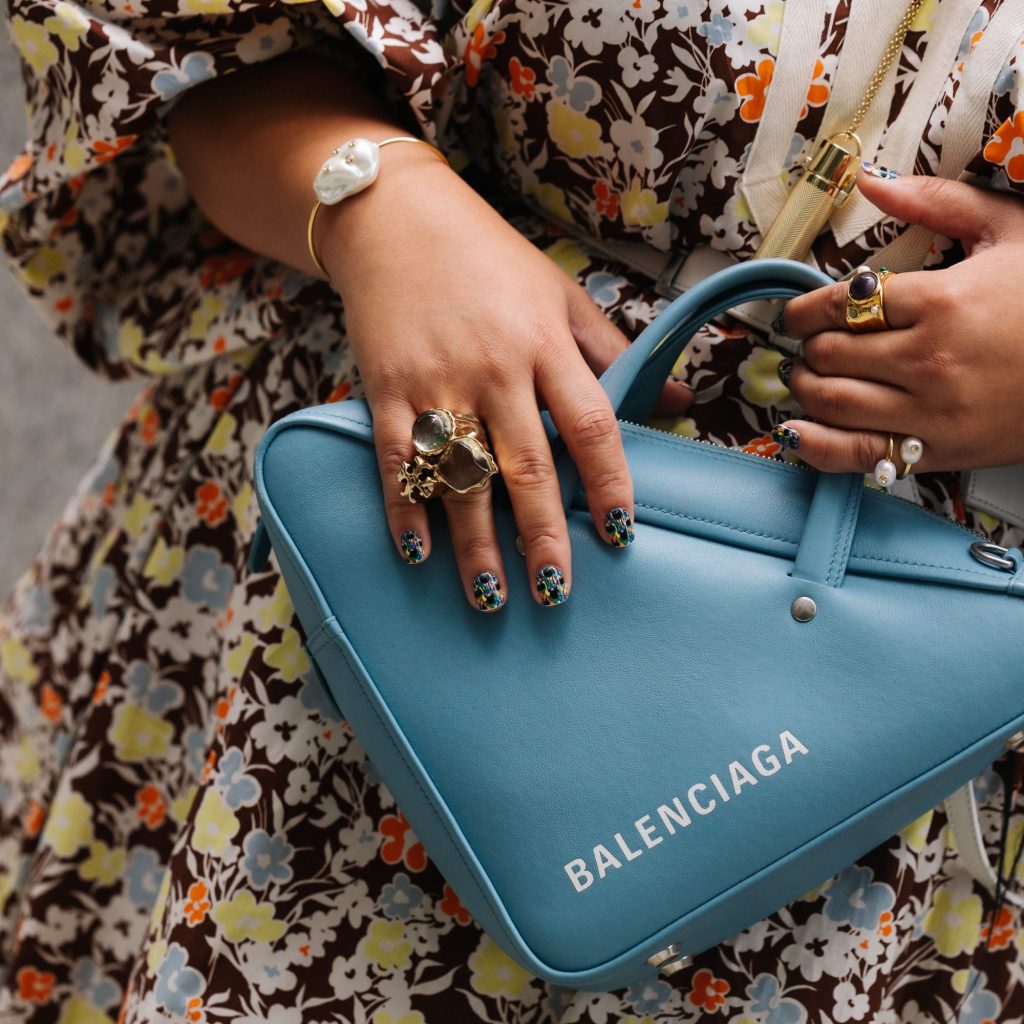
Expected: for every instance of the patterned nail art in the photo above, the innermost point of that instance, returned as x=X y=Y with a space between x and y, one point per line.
x=784 y=370
x=878 y=171
x=551 y=585
x=619 y=526
x=412 y=547
x=488 y=592
x=786 y=436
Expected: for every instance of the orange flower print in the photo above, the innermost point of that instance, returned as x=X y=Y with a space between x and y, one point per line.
x=755 y=88
x=50 y=703
x=220 y=397
x=478 y=49
x=340 y=392
x=885 y=925
x=102 y=685
x=17 y=170
x=396 y=846
x=211 y=505
x=762 y=446
x=818 y=91
x=1006 y=147
x=1002 y=933
x=607 y=200
x=194 y=1011
x=152 y=808
x=708 y=991
x=34 y=818
x=197 y=905
x=106 y=151
x=221 y=269
x=522 y=79
x=150 y=424
x=451 y=907
x=35 y=986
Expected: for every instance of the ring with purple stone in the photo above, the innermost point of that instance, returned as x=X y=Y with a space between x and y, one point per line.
x=865 y=304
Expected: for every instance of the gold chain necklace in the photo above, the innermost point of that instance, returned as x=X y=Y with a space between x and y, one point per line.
x=829 y=177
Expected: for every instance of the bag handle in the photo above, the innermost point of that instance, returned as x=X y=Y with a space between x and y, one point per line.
x=634 y=381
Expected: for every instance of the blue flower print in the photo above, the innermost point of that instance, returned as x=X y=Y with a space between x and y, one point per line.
x=977 y=25
x=266 y=858
x=40 y=610
x=144 y=874
x=176 y=983
x=981 y=1004
x=206 y=579
x=648 y=996
x=400 y=898
x=604 y=288
x=764 y=991
x=1006 y=79
x=195 y=68
x=315 y=697
x=717 y=31
x=153 y=694
x=102 y=588
x=238 y=789
x=855 y=898
x=194 y=741
x=89 y=980
x=579 y=93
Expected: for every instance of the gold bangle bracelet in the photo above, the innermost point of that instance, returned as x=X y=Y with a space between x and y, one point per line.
x=310 y=224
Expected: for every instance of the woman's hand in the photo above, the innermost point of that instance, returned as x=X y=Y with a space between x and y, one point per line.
x=951 y=369
x=447 y=305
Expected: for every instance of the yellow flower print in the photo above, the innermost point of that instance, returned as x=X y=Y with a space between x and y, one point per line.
x=204 y=6
x=925 y=15
x=551 y=199
x=26 y=760
x=242 y=504
x=155 y=956
x=221 y=435
x=640 y=207
x=567 y=253
x=279 y=611
x=766 y=28
x=135 y=518
x=216 y=824
x=239 y=655
x=164 y=563
x=387 y=1017
x=573 y=132
x=69 y=825
x=33 y=43
x=209 y=307
x=474 y=16
x=78 y=1010
x=103 y=865
x=684 y=426
x=761 y=384
x=157 y=914
x=243 y=918
x=16 y=661
x=1014 y=838
x=916 y=833
x=645 y=1019
x=495 y=973
x=138 y=734
x=954 y=924
x=129 y=340
x=68 y=23
x=181 y=806
x=386 y=945
x=44 y=265
x=288 y=657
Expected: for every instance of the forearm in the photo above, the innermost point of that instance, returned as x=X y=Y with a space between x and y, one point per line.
x=250 y=143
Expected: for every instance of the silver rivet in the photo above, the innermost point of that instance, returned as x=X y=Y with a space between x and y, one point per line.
x=674 y=966
x=1015 y=742
x=520 y=546
x=668 y=953
x=804 y=609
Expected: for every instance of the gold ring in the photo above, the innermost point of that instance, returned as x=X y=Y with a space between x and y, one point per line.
x=865 y=302
x=452 y=453
x=911 y=450
x=885 y=468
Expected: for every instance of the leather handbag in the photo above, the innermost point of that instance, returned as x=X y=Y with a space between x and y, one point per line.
x=785 y=669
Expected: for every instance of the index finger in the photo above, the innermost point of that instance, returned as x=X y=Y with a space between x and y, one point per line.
x=824 y=309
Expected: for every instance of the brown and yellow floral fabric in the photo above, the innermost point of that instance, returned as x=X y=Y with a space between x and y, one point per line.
x=187 y=830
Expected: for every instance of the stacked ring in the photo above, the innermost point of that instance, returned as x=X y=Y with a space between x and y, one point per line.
x=452 y=453
x=865 y=304
x=911 y=450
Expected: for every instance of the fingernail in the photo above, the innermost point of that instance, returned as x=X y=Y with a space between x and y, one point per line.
x=618 y=524
x=488 y=592
x=786 y=436
x=412 y=547
x=779 y=322
x=551 y=585
x=878 y=171
x=784 y=369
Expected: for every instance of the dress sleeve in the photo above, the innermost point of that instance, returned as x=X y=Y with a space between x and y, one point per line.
x=95 y=219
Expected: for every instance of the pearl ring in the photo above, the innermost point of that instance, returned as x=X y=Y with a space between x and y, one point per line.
x=911 y=450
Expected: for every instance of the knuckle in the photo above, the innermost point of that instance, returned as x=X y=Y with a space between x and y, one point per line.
x=823 y=401
x=527 y=468
x=868 y=451
x=390 y=457
x=542 y=537
x=594 y=426
x=819 y=352
x=836 y=301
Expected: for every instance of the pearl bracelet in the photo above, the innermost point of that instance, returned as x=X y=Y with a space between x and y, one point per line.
x=350 y=168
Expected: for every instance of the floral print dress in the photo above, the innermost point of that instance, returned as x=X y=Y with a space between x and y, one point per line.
x=187 y=830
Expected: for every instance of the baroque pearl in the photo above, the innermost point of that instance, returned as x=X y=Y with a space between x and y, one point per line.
x=885 y=472
x=911 y=450
x=342 y=176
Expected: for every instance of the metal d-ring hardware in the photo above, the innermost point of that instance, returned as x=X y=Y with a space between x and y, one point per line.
x=670 y=960
x=1014 y=742
x=993 y=554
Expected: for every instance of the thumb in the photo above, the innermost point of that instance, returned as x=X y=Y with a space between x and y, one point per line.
x=975 y=216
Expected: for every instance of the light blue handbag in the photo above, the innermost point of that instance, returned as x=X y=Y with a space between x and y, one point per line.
x=785 y=669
